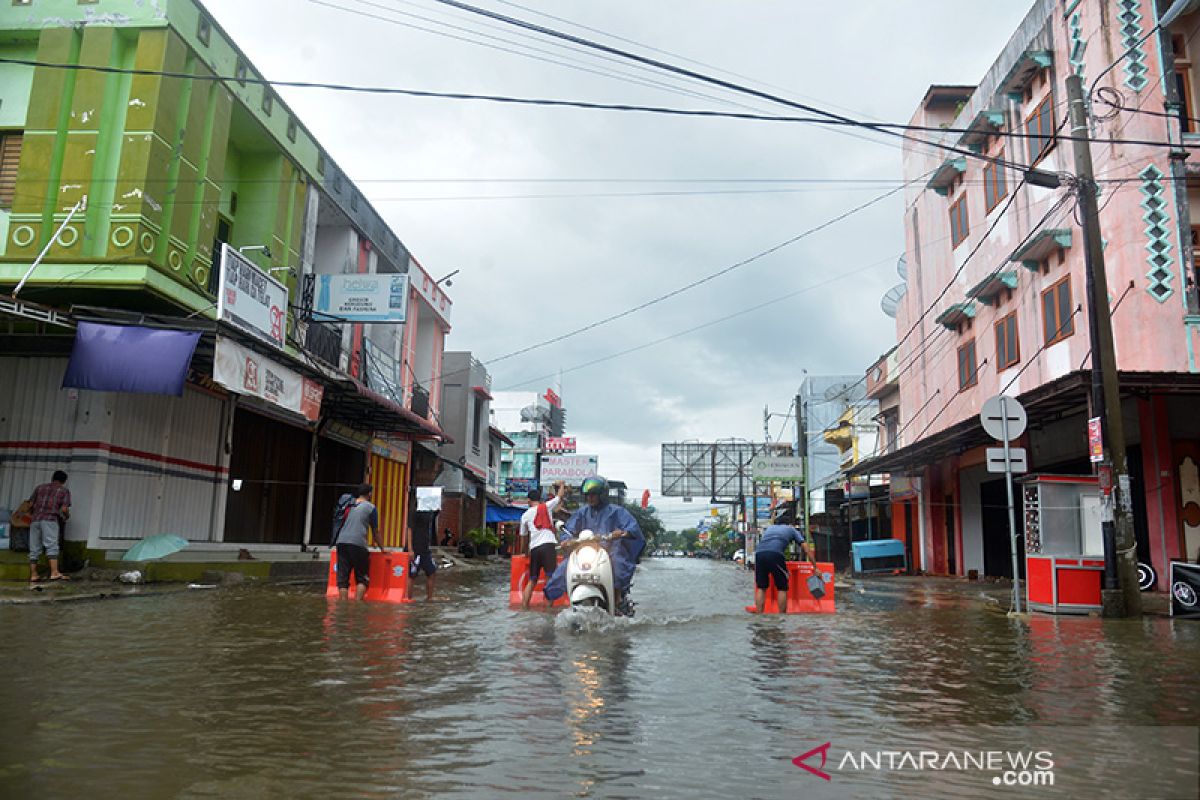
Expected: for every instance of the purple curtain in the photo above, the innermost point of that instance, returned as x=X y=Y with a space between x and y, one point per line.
x=127 y=358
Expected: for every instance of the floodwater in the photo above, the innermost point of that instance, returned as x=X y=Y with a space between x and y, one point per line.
x=275 y=692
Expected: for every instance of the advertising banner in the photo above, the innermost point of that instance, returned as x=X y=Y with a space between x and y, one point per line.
x=360 y=298
x=520 y=486
x=1095 y=440
x=241 y=370
x=777 y=468
x=250 y=299
x=1185 y=590
x=572 y=469
x=560 y=444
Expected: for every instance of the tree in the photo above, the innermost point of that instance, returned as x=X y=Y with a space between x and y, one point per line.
x=648 y=521
x=720 y=543
x=688 y=539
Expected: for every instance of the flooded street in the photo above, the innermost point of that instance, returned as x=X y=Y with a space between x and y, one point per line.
x=275 y=692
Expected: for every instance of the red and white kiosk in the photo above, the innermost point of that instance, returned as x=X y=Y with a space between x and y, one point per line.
x=1064 y=547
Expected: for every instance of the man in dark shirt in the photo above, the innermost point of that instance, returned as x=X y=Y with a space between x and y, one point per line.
x=422 y=556
x=769 y=562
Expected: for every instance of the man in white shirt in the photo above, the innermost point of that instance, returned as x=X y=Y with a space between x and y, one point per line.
x=538 y=524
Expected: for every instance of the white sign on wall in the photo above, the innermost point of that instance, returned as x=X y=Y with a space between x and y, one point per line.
x=777 y=468
x=244 y=371
x=360 y=298
x=572 y=469
x=250 y=299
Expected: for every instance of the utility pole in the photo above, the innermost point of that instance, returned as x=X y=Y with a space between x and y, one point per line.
x=802 y=451
x=1121 y=595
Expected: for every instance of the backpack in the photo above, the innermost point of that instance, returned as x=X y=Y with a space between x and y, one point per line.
x=541 y=518
x=340 y=514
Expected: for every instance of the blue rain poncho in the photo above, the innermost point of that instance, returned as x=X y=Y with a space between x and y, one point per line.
x=602 y=519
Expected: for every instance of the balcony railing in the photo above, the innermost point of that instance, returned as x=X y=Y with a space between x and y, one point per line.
x=324 y=342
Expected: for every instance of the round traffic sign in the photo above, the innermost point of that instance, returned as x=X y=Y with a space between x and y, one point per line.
x=999 y=410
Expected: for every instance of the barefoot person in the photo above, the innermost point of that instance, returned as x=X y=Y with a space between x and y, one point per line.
x=538 y=524
x=50 y=502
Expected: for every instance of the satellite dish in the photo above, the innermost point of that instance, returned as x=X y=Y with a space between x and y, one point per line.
x=533 y=414
x=891 y=300
x=902 y=268
x=838 y=391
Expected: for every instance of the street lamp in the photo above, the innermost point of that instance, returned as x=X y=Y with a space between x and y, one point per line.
x=446 y=279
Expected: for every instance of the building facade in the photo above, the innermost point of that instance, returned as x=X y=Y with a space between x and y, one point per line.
x=994 y=299
x=137 y=144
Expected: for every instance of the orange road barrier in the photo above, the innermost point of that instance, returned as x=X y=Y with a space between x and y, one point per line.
x=518 y=576
x=800 y=599
x=388 y=574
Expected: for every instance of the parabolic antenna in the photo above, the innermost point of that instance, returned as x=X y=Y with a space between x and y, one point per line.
x=891 y=300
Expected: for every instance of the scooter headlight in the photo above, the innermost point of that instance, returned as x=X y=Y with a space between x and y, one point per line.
x=586 y=557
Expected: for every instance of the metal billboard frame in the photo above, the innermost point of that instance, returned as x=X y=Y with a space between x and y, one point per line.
x=711 y=469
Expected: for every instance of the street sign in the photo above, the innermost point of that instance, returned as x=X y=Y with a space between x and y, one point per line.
x=998 y=410
x=1016 y=458
x=777 y=468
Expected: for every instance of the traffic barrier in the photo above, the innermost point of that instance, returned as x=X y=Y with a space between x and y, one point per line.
x=388 y=575
x=518 y=576
x=800 y=599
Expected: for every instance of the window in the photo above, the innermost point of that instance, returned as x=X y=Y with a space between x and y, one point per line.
x=1183 y=84
x=1040 y=129
x=1057 y=312
x=268 y=102
x=968 y=374
x=10 y=161
x=1008 y=347
x=240 y=72
x=995 y=186
x=959 y=225
x=291 y=133
x=204 y=30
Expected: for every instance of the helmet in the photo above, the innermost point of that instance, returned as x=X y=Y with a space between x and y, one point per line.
x=594 y=484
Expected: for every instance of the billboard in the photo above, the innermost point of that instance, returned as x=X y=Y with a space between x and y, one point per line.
x=572 y=469
x=360 y=298
x=251 y=300
x=721 y=469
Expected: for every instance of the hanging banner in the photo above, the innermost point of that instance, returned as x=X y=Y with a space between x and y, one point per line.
x=361 y=298
x=243 y=371
x=572 y=469
x=250 y=299
x=128 y=358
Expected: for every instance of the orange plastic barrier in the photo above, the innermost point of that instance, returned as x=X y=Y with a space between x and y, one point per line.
x=800 y=600
x=388 y=574
x=518 y=576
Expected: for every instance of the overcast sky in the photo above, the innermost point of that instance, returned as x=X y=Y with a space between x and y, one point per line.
x=533 y=268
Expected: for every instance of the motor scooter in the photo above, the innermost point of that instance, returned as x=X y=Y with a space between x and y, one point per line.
x=590 y=575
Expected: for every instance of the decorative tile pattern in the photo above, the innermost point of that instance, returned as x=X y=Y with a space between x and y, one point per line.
x=1129 y=19
x=1158 y=235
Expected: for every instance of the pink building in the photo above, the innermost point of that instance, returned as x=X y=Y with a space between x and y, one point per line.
x=994 y=301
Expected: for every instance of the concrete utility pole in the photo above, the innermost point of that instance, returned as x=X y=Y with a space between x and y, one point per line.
x=802 y=451
x=1121 y=595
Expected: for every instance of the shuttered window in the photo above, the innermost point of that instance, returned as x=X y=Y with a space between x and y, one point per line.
x=10 y=159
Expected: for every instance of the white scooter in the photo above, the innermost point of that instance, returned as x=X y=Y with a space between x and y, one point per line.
x=590 y=573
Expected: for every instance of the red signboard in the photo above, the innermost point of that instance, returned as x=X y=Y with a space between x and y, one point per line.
x=553 y=399
x=560 y=444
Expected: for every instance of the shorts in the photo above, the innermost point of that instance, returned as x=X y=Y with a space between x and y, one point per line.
x=770 y=565
x=542 y=558
x=353 y=557
x=422 y=562
x=43 y=537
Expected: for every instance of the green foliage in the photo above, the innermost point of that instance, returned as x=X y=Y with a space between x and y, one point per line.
x=483 y=536
x=688 y=539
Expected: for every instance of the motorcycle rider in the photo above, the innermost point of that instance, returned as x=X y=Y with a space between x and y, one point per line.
x=602 y=517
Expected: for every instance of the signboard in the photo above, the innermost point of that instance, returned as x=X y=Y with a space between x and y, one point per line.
x=429 y=498
x=763 y=507
x=572 y=469
x=553 y=399
x=777 y=468
x=1002 y=414
x=520 y=486
x=250 y=299
x=1016 y=455
x=560 y=444
x=1185 y=589
x=360 y=298
x=243 y=371
x=1095 y=440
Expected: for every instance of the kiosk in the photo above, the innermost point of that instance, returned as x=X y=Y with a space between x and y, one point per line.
x=1064 y=547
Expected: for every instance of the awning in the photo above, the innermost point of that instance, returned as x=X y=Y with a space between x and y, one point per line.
x=502 y=514
x=368 y=410
x=992 y=285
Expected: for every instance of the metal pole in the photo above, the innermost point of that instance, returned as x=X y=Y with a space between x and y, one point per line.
x=1012 y=515
x=1121 y=596
x=81 y=204
x=312 y=488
